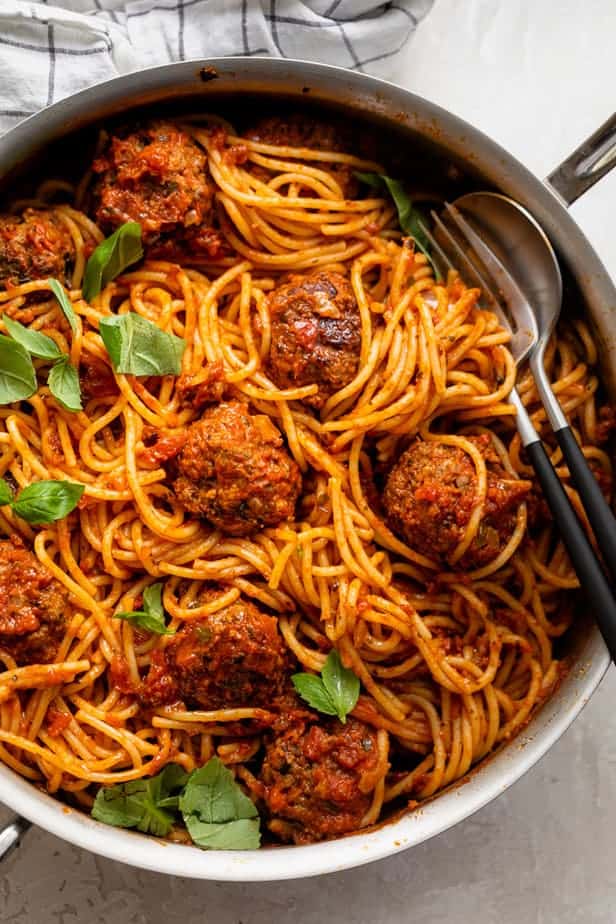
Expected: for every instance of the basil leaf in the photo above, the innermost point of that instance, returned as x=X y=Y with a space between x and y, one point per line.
x=341 y=684
x=136 y=346
x=39 y=345
x=147 y=805
x=65 y=303
x=47 y=501
x=242 y=834
x=312 y=689
x=375 y=180
x=335 y=692
x=63 y=381
x=153 y=600
x=17 y=375
x=409 y=218
x=6 y=495
x=111 y=257
x=217 y=814
x=152 y=616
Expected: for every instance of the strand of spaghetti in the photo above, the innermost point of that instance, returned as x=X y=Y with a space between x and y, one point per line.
x=39 y=675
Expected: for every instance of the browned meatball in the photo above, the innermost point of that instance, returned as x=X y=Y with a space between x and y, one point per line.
x=233 y=658
x=312 y=776
x=300 y=131
x=316 y=334
x=234 y=471
x=430 y=496
x=34 y=245
x=32 y=606
x=158 y=177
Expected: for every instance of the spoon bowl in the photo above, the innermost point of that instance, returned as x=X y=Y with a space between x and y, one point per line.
x=521 y=245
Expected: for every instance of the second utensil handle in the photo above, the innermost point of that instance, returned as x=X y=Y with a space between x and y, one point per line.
x=597 y=508
x=585 y=562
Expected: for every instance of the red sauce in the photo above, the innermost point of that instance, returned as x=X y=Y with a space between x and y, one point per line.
x=57 y=721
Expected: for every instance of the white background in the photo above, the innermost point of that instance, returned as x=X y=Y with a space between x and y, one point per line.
x=537 y=75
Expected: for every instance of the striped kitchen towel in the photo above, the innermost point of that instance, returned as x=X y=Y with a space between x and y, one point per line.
x=49 y=50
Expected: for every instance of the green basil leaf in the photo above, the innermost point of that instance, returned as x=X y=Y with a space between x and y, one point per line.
x=153 y=600
x=39 y=345
x=217 y=814
x=341 y=684
x=47 y=501
x=17 y=375
x=111 y=258
x=242 y=834
x=375 y=180
x=6 y=495
x=148 y=805
x=312 y=689
x=145 y=620
x=152 y=616
x=65 y=303
x=63 y=381
x=170 y=780
x=121 y=806
x=136 y=346
x=409 y=218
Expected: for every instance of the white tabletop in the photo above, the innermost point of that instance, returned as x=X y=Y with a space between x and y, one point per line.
x=538 y=77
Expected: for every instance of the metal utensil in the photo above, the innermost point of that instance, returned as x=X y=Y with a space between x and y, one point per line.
x=11 y=835
x=456 y=244
x=523 y=248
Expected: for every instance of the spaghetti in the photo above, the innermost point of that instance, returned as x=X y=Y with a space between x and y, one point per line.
x=452 y=661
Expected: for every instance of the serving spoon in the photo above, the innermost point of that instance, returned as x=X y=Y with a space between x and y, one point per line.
x=495 y=244
x=526 y=252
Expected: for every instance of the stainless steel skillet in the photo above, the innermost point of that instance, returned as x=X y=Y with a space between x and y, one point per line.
x=420 y=123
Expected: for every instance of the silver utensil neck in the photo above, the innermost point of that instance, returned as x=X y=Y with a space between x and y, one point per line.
x=524 y=424
x=555 y=413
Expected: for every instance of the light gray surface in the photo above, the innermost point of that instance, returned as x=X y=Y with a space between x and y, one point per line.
x=542 y=853
x=545 y=852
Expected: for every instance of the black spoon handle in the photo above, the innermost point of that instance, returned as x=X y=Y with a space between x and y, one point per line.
x=589 y=571
x=597 y=508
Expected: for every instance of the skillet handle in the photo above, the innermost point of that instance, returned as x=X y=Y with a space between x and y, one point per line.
x=11 y=835
x=589 y=162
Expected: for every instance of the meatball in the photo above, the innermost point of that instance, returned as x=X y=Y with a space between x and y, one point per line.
x=158 y=177
x=234 y=657
x=300 y=131
x=34 y=245
x=234 y=471
x=32 y=606
x=316 y=334
x=430 y=496
x=312 y=778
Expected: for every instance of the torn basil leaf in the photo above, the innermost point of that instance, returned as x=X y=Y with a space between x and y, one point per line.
x=112 y=257
x=65 y=303
x=335 y=692
x=149 y=805
x=152 y=616
x=37 y=344
x=136 y=346
x=63 y=381
x=217 y=814
x=409 y=218
x=6 y=495
x=47 y=501
x=17 y=374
